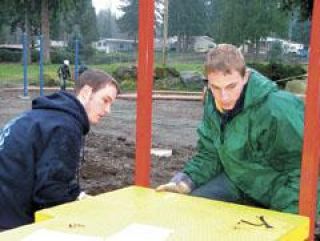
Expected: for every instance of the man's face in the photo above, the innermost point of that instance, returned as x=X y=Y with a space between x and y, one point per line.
x=226 y=88
x=98 y=104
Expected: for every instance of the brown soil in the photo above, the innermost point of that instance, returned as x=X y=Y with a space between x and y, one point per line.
x=110 y=146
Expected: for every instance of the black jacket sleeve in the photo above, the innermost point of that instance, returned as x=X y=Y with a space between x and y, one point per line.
x=56 y=179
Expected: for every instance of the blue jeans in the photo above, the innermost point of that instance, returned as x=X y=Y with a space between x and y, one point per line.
x=221 y=188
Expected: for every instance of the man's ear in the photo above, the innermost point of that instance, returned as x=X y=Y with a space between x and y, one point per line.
x=85 y=94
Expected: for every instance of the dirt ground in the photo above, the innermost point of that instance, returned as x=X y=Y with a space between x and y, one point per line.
x=110 y=146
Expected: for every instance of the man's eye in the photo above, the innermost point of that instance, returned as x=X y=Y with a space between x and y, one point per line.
x=230 y=87
x=214 y=88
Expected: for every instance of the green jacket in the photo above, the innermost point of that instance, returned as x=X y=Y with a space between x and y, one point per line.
x=259 y=149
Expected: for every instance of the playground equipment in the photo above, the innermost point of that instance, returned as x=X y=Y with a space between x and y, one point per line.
x=137 y=213
x=25 y=44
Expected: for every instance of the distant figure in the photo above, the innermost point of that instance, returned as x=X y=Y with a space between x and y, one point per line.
x=64 y=74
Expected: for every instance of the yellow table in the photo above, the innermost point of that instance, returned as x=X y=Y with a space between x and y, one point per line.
x=187 y=218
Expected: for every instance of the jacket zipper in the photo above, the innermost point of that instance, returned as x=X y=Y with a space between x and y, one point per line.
x=222 y=129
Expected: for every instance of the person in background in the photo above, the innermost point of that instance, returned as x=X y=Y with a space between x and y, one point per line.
x=64 y=74
x=40 y=150
x=250 y=139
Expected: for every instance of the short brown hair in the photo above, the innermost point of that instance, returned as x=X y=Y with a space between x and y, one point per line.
x=96 y=79
x=225 y=58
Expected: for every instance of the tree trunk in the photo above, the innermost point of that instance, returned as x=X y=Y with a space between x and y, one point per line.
x=45 y=30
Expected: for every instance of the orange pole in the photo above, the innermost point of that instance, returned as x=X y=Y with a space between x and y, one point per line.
x=311 y=145
x=144 y=92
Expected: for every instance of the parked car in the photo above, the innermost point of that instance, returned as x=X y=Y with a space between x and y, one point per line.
x=304 y=53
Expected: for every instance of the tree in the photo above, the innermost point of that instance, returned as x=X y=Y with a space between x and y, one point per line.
x=26 y=14
x=83 y=29
x=45 y=30
x=304 y=6
x=246 y=20
x=300 y=30
x=128 y=22
x=187 y=18
x=49 y=8
x=106 y=24
x=20 y=15
x=88 y=23
x=61 y=14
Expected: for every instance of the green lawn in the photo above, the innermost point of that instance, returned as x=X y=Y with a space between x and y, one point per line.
x=12 y=74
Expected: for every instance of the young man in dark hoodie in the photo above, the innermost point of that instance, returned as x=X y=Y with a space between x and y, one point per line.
x=40 y=149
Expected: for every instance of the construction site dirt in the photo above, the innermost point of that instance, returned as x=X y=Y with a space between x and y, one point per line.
x=109 y=156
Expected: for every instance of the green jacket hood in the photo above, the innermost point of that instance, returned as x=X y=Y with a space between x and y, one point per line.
x=258 y=88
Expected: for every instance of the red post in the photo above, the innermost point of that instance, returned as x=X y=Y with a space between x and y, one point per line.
x=311 y=145
x=144 y=92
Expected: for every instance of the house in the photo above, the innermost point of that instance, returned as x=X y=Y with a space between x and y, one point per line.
x=110 y=45
x=200 y=44
x=203 y=44
x=58 y=44
x=53 y=44
x=289 y=47
x=171 y=43
x=12 y=47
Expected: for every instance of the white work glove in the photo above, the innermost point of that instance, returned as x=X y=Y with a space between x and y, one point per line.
x=180 y=187
x=180 y=183
x=83 y=195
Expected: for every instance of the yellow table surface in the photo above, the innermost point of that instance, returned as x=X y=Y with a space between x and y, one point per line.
x=189 y=218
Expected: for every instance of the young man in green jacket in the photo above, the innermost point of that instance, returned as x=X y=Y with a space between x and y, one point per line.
x=250 y=138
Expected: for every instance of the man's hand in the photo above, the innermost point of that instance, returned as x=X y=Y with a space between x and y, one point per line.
x=180 y=187
x=180 y=183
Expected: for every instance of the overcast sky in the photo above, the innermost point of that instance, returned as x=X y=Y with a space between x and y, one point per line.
x=106 y=4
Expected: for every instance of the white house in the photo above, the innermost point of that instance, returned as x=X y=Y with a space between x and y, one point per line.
x=11 y=46
x=200 y=44
x=171 y=43
x=109 y=45
x=203 y=44
x=289 y=47
x=58 y=44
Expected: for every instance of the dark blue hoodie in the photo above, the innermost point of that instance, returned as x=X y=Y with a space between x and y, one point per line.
x=39 y=158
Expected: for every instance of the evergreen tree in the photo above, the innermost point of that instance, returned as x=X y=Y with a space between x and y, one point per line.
x=106 y=24
x=238 y=21
x=128 y=22
x=187 y=18
x=304 y=6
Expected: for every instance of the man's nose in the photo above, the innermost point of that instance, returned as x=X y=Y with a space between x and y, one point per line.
x=224 y=95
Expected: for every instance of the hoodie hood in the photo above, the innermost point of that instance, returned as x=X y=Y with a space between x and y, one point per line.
x=65 y=102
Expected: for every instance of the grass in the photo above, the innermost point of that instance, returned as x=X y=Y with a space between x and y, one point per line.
x=12 y=74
